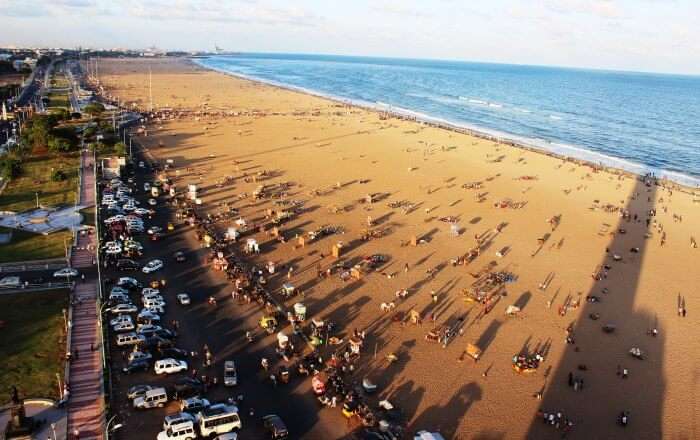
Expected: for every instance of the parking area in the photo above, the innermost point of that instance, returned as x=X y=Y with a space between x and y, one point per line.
x=213 y=322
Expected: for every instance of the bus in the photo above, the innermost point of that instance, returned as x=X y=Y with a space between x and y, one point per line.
x=218 y=419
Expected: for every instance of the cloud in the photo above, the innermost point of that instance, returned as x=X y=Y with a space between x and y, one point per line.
x=598 y=8
x=231 y=11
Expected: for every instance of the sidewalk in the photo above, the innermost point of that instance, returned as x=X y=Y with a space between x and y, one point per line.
x=86 y=402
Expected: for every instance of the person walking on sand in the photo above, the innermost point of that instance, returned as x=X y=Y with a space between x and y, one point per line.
x=405 y=268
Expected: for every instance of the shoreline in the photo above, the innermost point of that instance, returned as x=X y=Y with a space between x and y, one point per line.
x=505 y=139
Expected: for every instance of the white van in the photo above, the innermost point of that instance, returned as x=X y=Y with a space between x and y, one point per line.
x=219 y=418
x=230 y=376
x=176 y=419
x=155 y=398
x=130 y=338
x=182 y=431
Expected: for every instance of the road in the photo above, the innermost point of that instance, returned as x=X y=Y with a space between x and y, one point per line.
x=222 y=328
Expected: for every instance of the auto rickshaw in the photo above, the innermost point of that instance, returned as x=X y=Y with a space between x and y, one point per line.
x=171 y=226
x=269 y=323
x=350 y=409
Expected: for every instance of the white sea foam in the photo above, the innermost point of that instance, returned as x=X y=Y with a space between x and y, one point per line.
x=561 y=149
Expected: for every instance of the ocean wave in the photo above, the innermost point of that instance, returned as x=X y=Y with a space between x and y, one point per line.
x=559 y=148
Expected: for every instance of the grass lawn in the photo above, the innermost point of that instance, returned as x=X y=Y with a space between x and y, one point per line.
x=32 y=346
x=26 y=246
x=19 y=195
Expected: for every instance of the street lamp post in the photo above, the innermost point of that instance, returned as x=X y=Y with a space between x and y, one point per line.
x=114 y=428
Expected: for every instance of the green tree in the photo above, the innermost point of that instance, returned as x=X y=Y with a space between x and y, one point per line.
x=10 y=167
x=120 y=149
x=94 y=109
x=59 y=145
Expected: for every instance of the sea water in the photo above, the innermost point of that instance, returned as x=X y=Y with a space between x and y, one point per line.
x=640 y=122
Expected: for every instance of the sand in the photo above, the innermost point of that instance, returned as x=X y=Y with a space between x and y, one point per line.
x=336 y=155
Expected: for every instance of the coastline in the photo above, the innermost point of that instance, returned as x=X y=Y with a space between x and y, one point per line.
x=660 y=176
x=548 y=220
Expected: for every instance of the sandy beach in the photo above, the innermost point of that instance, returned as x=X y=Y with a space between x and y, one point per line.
x=553 y=230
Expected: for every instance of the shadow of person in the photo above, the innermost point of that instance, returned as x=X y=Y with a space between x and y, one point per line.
x=451 y=413
x=595 y=356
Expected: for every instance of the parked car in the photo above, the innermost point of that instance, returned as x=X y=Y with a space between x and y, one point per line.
x=193 y=404
x=170 y=366
x=230 y=375
x=154 y=398
x=173 y=352
x=120 y=320
x=152 y=266
x=187 y=386
x=138 y=365
x=66 y=272
x=275 y=426
x=123 y=308
x=126 y=264
x=128 y=283
x=181 y=431
x=123 y=327
x=138 y=391
x=183 y=299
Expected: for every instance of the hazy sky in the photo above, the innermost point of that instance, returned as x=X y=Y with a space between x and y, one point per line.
x=648 y=35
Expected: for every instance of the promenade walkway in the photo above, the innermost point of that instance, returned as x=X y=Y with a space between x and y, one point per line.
x=86 y=402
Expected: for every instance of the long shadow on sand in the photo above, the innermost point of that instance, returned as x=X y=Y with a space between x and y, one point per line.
x=605 y=395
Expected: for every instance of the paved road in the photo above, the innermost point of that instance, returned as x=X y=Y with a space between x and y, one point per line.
x=86 y=403
x=223 y=328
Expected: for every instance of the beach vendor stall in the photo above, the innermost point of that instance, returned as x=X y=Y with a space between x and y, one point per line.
x=219 y=262
x=287 y=291
x=252 y=246
x=300 y=312
x=282 y=340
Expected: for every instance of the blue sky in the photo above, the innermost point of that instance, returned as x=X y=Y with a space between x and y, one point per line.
x=644 y=35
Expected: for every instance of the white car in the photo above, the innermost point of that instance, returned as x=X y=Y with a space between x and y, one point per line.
x=114 y=219
x=141 y=211
x=139 y=356
x=153 y=302
x=149 y=291
x=113 y=249
x=147 y=315
x=154 y=230
x=66 y=272
x=123 y=327
x=183 y=299
x=123 y=308
x=119 y=298
x=120 y=320
x=129 y=207
x=153 y=297
x=155 y=309
x=145 y=328
x=152 y=266
x=169 y=366
x=146 y=186
x=152 y=202
x=118 y=290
